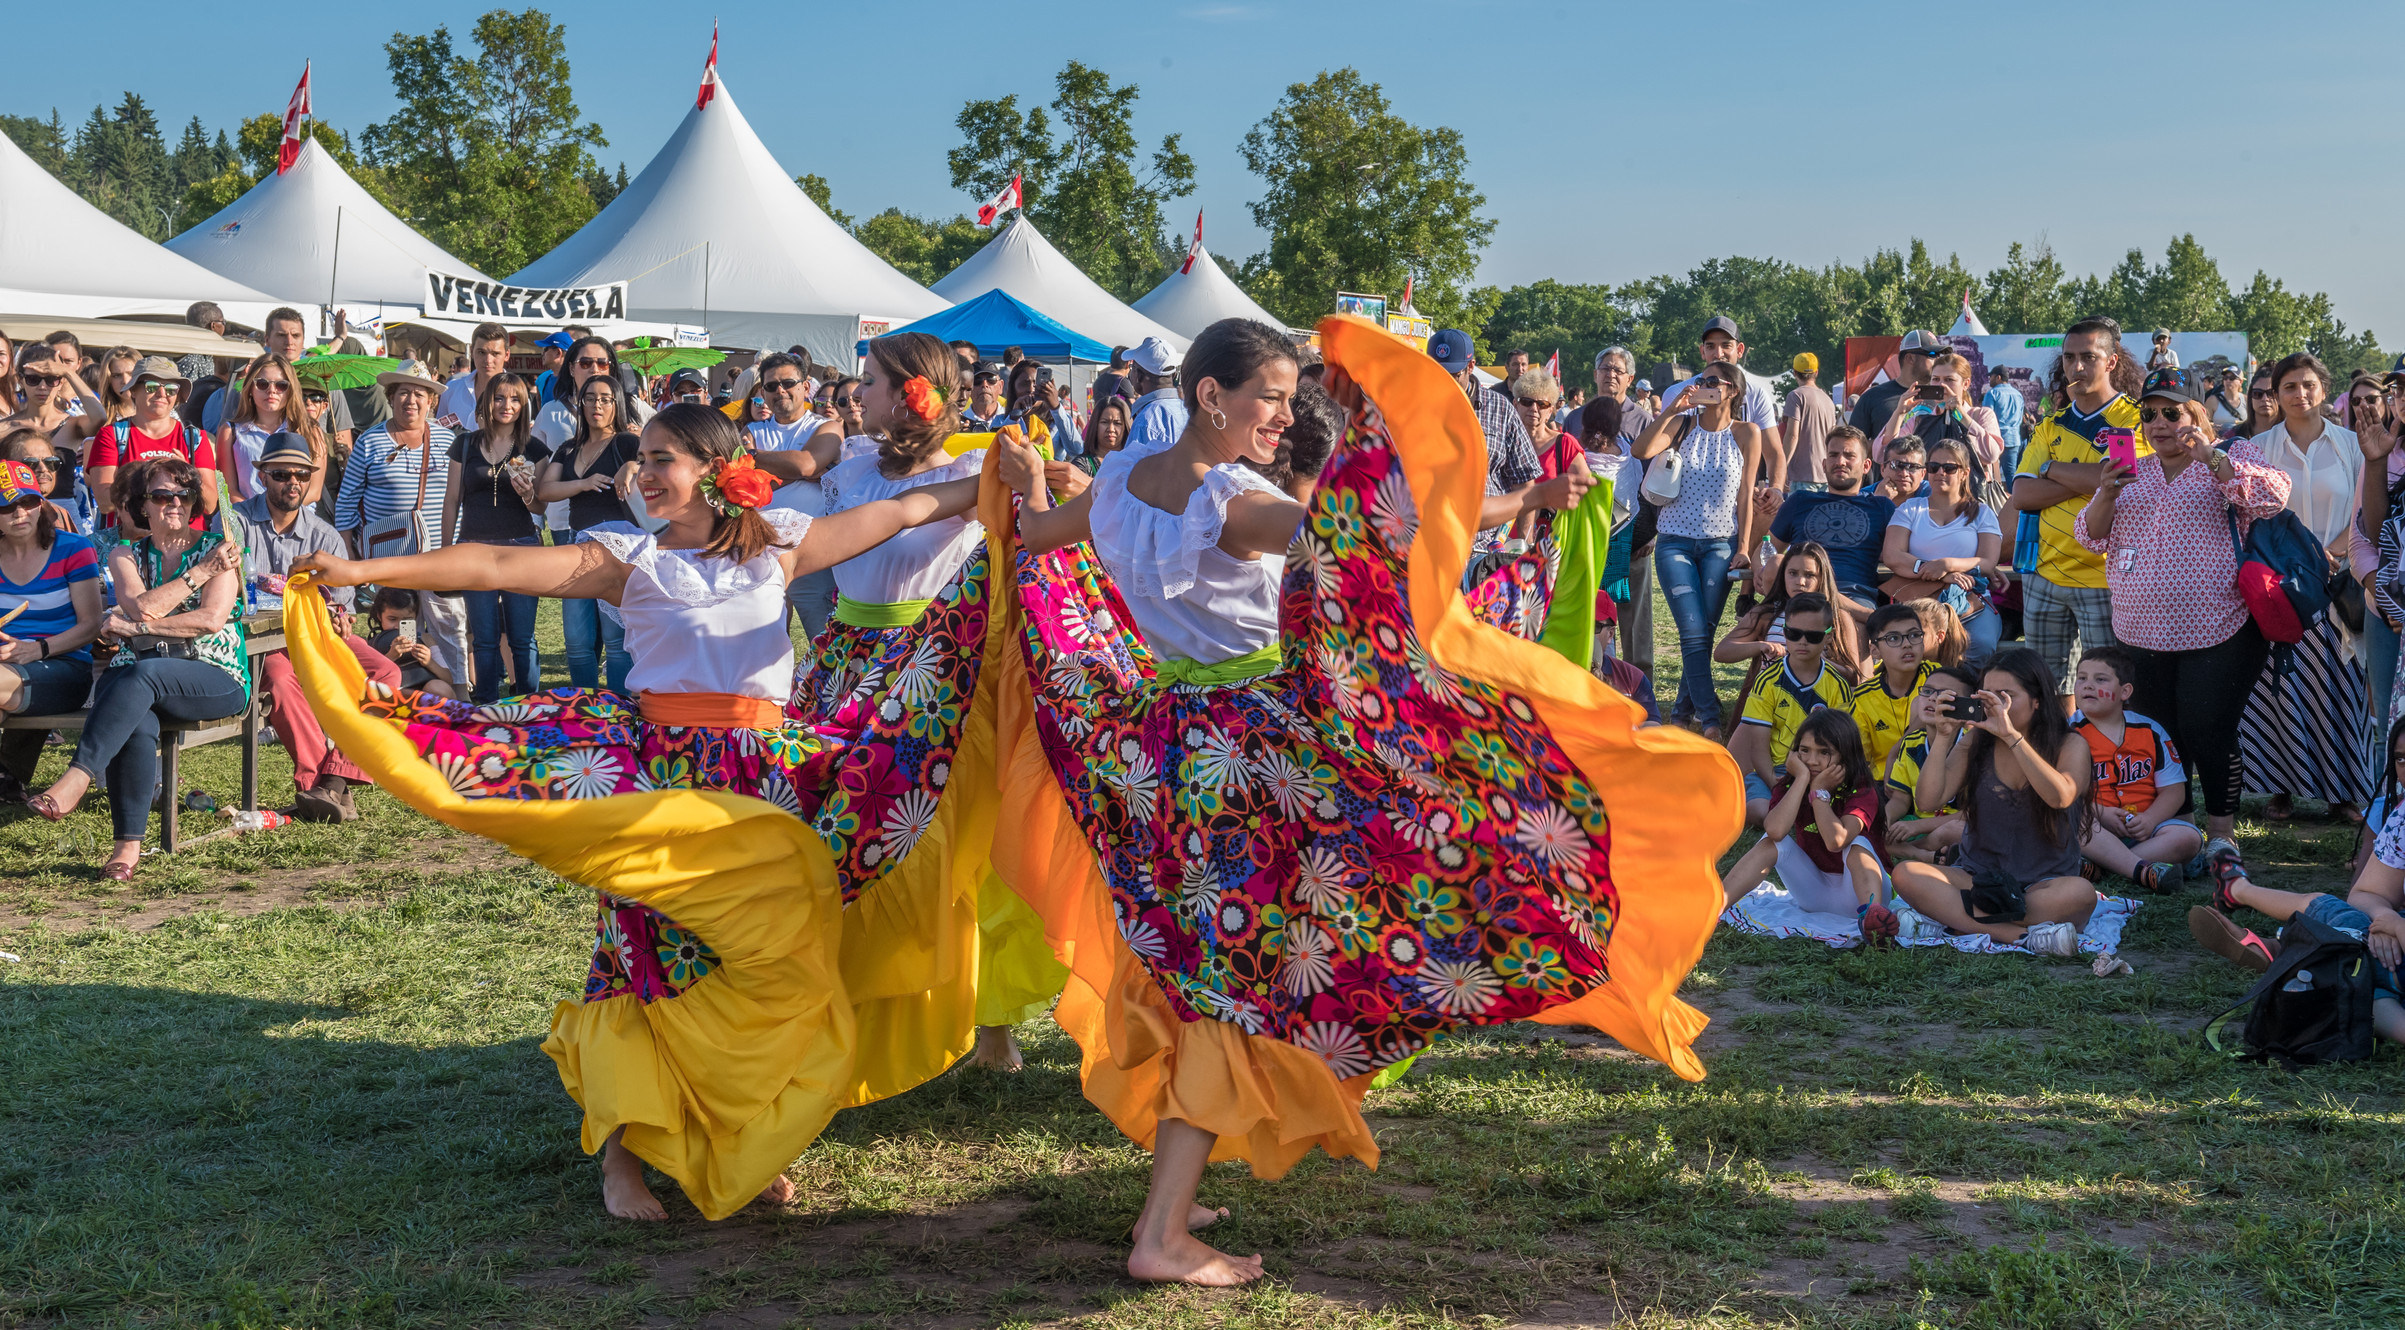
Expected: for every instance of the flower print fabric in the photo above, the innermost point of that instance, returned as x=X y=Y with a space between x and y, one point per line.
x=1353 y=854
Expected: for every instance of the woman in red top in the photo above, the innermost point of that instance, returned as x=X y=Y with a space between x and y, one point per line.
x=154 y=430
x=2164 y=532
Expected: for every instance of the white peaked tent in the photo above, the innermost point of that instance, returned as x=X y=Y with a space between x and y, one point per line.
x=1967 y=324
x=1200 y=295
x=61 y=255
x=1022 y=262
x=312 y=236
x=714 y=232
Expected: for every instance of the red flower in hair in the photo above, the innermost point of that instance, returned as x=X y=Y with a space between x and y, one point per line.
x=740 y=484
x=922 y=397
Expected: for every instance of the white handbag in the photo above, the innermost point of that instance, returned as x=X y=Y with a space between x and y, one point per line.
x=1662 y=474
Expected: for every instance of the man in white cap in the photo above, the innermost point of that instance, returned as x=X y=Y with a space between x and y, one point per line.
x=1912 y=360
x=1160 y=412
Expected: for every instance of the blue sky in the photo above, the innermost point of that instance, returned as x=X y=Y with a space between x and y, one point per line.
x=1612 y=141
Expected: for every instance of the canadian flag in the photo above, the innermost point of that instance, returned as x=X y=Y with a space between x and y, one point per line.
x=289 y=150
x=1407 y=292
x=1196 y=247
x=1003 y=202
x=709 y=73
x=1553 y=364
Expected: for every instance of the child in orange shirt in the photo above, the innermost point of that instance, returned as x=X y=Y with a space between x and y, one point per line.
x=2140 y=785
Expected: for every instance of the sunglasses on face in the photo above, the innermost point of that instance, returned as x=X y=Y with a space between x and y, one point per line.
x=1808 y=636
x=42 y=463
x=29 y=503
x=1905 y=466
x=1899 y=639
x=589 y=362
x=1532 y=403
x=285 y=477
x=1945 y=468
x=2169 y=415
x=148 y=386
x=272 y=386
x=781 y=385
x=170 y=496
x=33 y=380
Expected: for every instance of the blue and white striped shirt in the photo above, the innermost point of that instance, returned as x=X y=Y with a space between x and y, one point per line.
x=379 y=480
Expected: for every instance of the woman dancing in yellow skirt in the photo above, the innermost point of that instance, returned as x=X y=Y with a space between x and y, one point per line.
x=1291 y=837
x=718 y=1031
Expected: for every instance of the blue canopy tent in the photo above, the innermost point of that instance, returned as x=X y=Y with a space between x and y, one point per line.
x=997 y=320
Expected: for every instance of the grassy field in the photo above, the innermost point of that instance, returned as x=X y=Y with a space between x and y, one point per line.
x=291 y=1079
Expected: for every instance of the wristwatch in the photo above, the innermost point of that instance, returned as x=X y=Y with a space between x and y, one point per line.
x=1821 y=795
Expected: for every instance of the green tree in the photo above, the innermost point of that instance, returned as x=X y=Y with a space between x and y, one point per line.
x=1082 y=188
x=1359 y=199
x=2027 y=293
x=823 y=194
x=120 y=164
x=45 y=141
x=487 y=154
x=2279 y=322
x=923 y=250
x=251 y=156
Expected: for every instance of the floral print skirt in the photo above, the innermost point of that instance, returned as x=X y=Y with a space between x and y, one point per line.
x=1355 y=853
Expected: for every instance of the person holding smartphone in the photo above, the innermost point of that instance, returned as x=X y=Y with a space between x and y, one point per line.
x=1943 y=408
x=2161 y=529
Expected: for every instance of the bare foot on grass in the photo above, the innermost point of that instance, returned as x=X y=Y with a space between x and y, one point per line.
x=778 y=1192
x=1181 y=1258
x=622 y=1189
x=996 y=1050
x=1197 y=1216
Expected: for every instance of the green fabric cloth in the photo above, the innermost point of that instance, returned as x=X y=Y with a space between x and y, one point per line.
x=868 y=614
x=1584 y=537
x=1169 y=670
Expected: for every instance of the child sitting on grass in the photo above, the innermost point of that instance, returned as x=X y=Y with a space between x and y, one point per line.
x=2139 y=785
x=1915 y=836
x=1824 y=829
x=1776 y=707
x=1882 y=703
x=2368 y=914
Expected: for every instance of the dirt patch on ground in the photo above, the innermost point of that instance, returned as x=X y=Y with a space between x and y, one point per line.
x=242 y=895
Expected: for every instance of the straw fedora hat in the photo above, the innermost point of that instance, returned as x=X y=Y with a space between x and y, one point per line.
x=410 y=374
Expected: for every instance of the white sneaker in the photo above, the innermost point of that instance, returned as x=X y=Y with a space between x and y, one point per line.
x=2052 y=939
x=1914 y=926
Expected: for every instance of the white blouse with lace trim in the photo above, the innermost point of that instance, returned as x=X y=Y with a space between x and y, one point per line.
x=696 y=624
x=1190 y=598
x=917 y=563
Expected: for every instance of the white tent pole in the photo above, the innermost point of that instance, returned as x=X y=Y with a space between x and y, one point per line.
x=705 y=284
x=334 y=268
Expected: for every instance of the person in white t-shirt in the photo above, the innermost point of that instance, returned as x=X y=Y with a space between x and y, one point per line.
x=797 y=446
x=488 y=355
x=1953 y=540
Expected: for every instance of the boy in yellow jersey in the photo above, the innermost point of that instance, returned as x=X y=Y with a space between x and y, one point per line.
x=2064 y=594
x=1882 y=704
x=1914 y=832
x=1781 y=698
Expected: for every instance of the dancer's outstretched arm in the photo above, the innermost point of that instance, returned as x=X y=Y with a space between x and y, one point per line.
x=833 y=539
x=582 y=571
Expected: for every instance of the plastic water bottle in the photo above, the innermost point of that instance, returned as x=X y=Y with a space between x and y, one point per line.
x=265 y=819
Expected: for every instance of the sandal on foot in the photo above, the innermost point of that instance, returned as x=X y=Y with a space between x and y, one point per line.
x=2216 y=933
x=2224 y=865
x=2160 y=876
x=1879 y=925
x=117 y=872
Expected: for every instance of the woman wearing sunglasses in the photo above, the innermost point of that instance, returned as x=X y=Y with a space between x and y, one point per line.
x=270 y=404
x=50 y=583
x=2172 y=571
x=181 y=652
x=153 y=430
x=1946 y=545
x=54 y=473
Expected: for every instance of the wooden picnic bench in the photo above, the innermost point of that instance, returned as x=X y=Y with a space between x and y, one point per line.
x=266 y=636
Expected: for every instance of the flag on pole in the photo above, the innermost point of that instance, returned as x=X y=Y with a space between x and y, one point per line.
x=1553 y=364
x=709 y=72
x=1196 y=247
x=1003 y=202
x=295 y=111
x=1407 y=293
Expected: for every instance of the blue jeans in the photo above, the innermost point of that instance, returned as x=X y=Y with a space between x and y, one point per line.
x=1694 y=573
x=1987 y=633
x=596 y=646
x=121 y=736
x=811 y=597
x=490 y=613
x=2332 y=912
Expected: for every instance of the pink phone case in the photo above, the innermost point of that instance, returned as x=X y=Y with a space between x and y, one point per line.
x=2120 y=445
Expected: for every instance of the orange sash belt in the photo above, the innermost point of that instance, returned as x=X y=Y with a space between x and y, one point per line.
x=718 y=711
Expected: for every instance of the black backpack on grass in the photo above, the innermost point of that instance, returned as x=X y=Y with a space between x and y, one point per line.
x=2313 y=1006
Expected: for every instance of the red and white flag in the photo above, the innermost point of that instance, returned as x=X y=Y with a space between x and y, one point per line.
x=295 y=111
x=1407 y=291
x=709 y=73
x=1003 y=202
x=1196 y=247
x=1553 y=364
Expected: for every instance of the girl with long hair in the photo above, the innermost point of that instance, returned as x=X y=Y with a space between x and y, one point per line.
x=1826 y=831
x=491 y=499
x=2022 y=778
x=1948 y=546
x=115 y=402
x=1285 y=839
x=1707 y=529
x=1759 y=637
x=717 y=1033
x=592 y=471
x=269 y=404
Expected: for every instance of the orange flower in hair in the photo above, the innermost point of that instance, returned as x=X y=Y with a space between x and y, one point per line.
x=924 y=399
x=738 y=484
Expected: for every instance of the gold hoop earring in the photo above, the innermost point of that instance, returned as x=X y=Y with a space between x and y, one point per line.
x=1219 y=418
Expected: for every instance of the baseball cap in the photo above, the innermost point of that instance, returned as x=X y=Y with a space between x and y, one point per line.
x=1806 y=363
x=986 y=369
x=1995 y=371
x=1917 y=342
x=1450 y=347
x=2169 y=383
x=1154 y=356
x=1644 y=385
x=691 y=376
x=285 y=448
x=1720 y=323
x=2394 y=371
x=2162 y=334
x=17 y=484
x=559 y=340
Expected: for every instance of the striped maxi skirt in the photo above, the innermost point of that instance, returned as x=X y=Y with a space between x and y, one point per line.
x=2305 y=735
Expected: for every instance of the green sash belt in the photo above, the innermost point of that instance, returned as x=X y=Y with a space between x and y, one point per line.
x=869 y=614
x=1169 y=670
